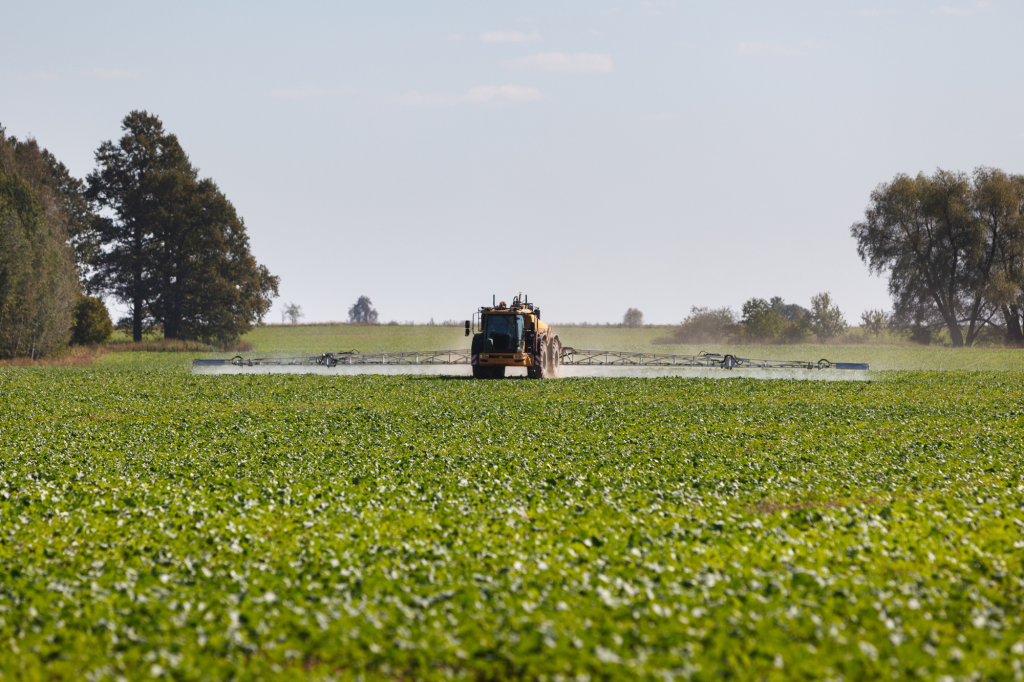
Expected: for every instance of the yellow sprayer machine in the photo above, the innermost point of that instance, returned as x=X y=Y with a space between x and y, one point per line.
x=512 y=336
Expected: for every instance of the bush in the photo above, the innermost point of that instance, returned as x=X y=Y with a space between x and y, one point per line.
x=707 y=325
x=92 y=324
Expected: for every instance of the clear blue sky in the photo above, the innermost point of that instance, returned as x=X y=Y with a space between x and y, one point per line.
x=597 y=155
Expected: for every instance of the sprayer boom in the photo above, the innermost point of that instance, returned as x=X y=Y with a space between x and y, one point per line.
x=567 y=356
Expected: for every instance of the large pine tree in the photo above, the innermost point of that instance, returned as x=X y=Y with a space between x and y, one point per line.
x=172 y=247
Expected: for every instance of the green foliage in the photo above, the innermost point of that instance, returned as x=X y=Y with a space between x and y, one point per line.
x=707 y=325
x=826 y=321
x=761 y=322
x=255 y=527
x=92 y=324
x=37 y=270
x=953 y=247
x=874 y=321
x=796 y=327
x=174 y=249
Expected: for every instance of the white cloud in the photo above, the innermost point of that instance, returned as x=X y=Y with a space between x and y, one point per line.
x=662 y=116
x=581 y=62
x=878 y=12
x=975 y=8
x=114 y=73
x=45 y=76
x=509 y=36
x=486 y=94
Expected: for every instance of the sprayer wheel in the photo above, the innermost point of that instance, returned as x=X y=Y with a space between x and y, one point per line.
x=555 y=352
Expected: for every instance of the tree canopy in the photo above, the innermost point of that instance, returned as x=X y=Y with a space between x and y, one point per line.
x=953 y=247
x=362 y=311
x=826 y=321
x=633 y=318
x=171 y=245
x=38 y=278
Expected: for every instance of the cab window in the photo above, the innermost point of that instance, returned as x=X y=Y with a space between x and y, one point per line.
x=504 y=333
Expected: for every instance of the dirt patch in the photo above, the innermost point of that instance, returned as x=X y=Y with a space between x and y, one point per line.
x=768 y=507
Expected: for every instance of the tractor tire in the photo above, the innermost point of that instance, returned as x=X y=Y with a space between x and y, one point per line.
x=484 y=371
x=554 y=357
x=538 y=371
x=479 y=371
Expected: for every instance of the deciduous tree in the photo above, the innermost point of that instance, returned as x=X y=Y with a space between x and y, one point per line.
x=874 y=321
x=38 y=278
x=951 y=245
x=826 y=320
x=292 y=312
x=633 y=318
x=760 y=321
x=362 y=311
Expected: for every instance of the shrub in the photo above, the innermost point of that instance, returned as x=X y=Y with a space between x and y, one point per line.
x=92 y=324
x=707 y=325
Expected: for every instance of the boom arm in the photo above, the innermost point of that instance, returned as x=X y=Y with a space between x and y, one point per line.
x=567 y=356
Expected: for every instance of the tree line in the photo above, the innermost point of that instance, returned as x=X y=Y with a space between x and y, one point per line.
x=143 y=228
x=952 y=245
x=764 y=321
x=39 y=219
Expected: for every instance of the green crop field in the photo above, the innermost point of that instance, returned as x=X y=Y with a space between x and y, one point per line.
x=159 y=524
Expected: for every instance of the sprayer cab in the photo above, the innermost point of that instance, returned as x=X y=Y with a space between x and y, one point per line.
x=512 y=336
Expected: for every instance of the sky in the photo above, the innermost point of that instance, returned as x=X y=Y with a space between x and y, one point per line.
x=592 y=155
